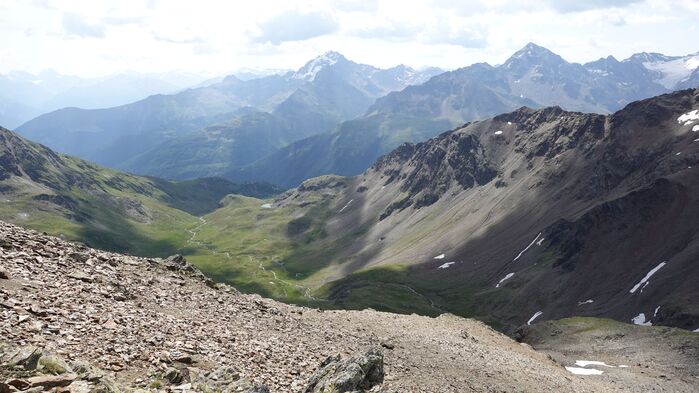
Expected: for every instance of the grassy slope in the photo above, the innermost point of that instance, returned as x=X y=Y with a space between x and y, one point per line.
x=94 y=218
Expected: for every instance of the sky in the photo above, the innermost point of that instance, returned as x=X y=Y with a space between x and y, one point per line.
x=216 y=37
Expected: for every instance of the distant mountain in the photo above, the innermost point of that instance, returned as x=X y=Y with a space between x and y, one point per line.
x=533 y=76
x=79 y=200
x=142 y=136
x=24 y=96
x=533 y=214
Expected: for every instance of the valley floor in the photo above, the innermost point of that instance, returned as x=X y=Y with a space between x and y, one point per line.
x=131 y=316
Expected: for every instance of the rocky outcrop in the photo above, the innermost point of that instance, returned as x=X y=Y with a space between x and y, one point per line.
x=357 y=373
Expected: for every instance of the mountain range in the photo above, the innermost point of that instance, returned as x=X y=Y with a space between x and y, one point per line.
x=24 y=96
x=322 y=93
x=536 y=213
x=533 y=77
x=334 y=116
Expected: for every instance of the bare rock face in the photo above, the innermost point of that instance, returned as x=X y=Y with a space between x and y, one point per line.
x=357 y=373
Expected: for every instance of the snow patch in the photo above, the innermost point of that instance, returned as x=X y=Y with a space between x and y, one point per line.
x=535 y=316
x=310 y=70
x=509 y=123
x=528 y=247
x=445 y=265
x=588 y=301
x=695 y=128
x=640 y=319
x=498 y=132
x=540 y=241
x=647 y=277
x=673 y=71
x=345 y=207
x=688 y=117
x=507 y=277
x=585 y=363
x=440 y=256
x=678 y=153
x=655 y=313
x=266 y=206
x=584 y=371
x=696 y=330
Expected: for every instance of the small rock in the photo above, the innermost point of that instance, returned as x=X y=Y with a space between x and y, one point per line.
x=20 y=384
x=388 y=344
x=52 y=381
x=186 y=359
x=176 y=375
x=81 y=276
x=258 y=389
x=4 y=275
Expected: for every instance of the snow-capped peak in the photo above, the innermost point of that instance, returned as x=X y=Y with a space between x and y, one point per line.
x=309 y=71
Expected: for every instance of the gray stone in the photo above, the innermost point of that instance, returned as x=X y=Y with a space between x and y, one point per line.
x=27 y=357
x=359 y=372
x=258 y=389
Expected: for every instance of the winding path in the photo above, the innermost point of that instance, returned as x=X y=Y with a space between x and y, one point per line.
x=192 y=240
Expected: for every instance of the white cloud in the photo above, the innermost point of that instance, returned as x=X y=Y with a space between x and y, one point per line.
x=76 y=25
x=295 y=25
x=90 y=37
x=578 y=5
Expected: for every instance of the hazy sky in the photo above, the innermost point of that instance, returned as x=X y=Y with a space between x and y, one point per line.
x=93 y=37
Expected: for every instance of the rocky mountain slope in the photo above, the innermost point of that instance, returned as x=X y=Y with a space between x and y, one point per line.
x=534 y=214
x=77 y=319
x=322 y=93
x=533 y=77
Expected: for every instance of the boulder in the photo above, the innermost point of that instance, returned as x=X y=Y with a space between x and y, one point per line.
x=178 y=262
x=53 y=365
x=176 y=376
x=26 y=357
x=357 y=373
x=4 y=275
x=86 y=371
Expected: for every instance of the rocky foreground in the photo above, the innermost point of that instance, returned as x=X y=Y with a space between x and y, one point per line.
x=78 y=319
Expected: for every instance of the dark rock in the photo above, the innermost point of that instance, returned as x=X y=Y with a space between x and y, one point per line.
x=258 y=389
x=86 y=371
x=4 y=275
x=20 y=384
x=176 y=376
x=186 y=359
x=357 y=373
